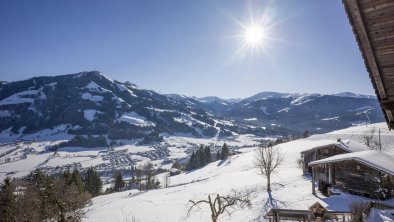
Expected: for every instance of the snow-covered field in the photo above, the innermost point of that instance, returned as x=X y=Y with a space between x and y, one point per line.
x=22 y=155
x=290 y=188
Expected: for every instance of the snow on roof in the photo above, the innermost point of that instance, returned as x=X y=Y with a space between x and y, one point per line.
x=352 y=146
x=347 y=145
x=174 y=170
x=377 y=215
x=371 y=158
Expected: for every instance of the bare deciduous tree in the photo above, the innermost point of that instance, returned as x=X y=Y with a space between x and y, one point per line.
x=166 y=180
x=267 y=159
x=370 y=139
x=223 y=204
x=356 y=210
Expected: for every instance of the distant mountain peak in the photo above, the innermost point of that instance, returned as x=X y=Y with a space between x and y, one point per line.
x=354 y=95
x=210 y=99
x=92 y=75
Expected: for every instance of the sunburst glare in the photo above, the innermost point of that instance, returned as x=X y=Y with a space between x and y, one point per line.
x=257 y=34
x=254 y=35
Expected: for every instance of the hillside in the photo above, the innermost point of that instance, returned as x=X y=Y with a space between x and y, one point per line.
x=89 y=103
x=316 y=112
x=290 y=188
x=96 y=111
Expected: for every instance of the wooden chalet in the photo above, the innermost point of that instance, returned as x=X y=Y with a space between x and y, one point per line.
x=315 y=213
x=373 y=26
x=328 y=150
x=366 y=173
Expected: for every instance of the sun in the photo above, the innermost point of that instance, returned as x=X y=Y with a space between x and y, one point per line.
x=254 y=35
x=257 y=34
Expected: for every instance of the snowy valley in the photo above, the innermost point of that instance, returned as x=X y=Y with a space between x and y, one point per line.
x=77 y=121
x=291 y=189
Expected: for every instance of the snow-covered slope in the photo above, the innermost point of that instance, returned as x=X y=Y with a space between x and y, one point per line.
x=290 y=188
x=354 y=95
x=93 y=104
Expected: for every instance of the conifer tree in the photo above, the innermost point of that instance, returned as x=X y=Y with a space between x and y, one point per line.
x=148 y=169
x=305 y=134
x=192 y=162
x=77 y=181
x=138 y=174
x=67 y=177
x=207 y=152
x=93 y=182
x=200 y=157
x=119 y=183
x=224 y=153
x=8 y=206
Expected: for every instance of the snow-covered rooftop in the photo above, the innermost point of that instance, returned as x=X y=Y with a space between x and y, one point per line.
x=352 y=146
x=371 y=158
x=347 y=145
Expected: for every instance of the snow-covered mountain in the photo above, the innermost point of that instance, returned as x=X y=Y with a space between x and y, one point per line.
x=99 y=111
x=266 y=95
x=354 y=95
x=297 y=112
x=91 y=104
x=308 y=111
x=210 y=99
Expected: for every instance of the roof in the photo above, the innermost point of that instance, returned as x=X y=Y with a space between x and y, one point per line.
x=174 y=170
x=352 y=146
x=347 y=145
x=373 y=25
x=372 y=158
x=297 y=214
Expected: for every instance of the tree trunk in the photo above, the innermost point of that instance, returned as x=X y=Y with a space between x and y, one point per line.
x=268 y=183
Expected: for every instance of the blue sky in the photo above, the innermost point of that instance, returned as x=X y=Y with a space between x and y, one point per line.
x=185 y=47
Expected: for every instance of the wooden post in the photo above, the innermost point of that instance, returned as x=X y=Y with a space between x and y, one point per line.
x=313 y=180
x=380 y=143
x=276 y=217
x=329 y=177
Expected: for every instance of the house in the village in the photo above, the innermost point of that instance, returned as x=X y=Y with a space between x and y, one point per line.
x=174 y=171
x=328 y=150
x=366 y=173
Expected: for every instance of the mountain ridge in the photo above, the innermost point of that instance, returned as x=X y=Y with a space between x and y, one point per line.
x=92 y=104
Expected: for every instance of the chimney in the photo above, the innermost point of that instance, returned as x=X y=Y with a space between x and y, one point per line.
x=339 y=140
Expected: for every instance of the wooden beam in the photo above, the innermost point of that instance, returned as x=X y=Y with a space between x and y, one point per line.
x=387 y=104
x=365 y=45
x=329 y=178
x=313 y=181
